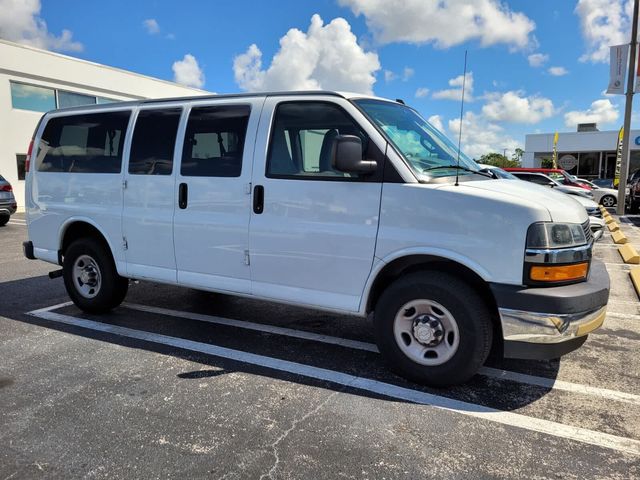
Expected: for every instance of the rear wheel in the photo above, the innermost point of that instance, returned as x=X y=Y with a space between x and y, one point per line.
x=433 y=328
x=608 y=201
x=4 y=219
x=90 y=276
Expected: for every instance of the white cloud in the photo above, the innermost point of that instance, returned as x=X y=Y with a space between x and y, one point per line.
x=422 y=92
x=537 y=59
x=514 y=107
x=20 y=22
x=480 y=136
x=151 y=26
x=389 y=76
x=407 y=73
x=456 y=92
x=558 y=71
x=601 y=111
x=436 y=121
x=603 y=23
x=325 y=57
x=187 y=72
x=444 y=24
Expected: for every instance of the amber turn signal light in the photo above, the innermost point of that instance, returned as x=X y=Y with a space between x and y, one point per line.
x=559 y=273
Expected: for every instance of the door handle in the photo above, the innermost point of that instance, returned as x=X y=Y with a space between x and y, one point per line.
x=183 y=194
x=258 y=199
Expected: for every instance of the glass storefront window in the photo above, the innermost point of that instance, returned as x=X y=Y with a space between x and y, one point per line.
x=30 y=97
x=106 y=100
x=69 y=99
x=588 y=163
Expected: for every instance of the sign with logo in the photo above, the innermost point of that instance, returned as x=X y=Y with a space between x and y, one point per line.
x=617 y=68
x=567 y=162
x=637 y=141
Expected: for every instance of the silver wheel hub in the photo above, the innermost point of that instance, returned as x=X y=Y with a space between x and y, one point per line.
x=426 y=332
x=87 y=277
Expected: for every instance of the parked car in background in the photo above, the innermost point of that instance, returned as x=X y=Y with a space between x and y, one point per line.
x=546 y=181
x=8 y=203
x=497 y=172
x=633 y=193
x=557 y=174
x=605 y=196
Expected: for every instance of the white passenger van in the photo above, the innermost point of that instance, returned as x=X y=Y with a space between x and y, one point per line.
x=340 y=202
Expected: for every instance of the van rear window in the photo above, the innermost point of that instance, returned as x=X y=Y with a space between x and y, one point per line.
x=88 y=143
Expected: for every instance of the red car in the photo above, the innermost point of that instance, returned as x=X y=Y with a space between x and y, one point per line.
x=556 y=173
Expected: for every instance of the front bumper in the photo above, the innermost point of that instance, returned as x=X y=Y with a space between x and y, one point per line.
x=544 y=323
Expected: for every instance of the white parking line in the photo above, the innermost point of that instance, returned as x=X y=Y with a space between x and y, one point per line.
x=591 y=437
x=370 y=347
x=17 y=222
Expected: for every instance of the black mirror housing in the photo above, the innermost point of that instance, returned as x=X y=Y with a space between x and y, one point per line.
x=346 y=156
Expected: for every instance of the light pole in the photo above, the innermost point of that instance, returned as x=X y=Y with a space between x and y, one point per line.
x=624 y=164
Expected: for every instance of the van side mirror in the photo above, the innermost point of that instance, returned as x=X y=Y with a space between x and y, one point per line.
x=346 y=156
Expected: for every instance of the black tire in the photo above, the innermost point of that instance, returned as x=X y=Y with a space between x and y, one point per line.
x=463 y=302
x=608 y=201
x=112 y=288
x=633 y=207
x=4 y=219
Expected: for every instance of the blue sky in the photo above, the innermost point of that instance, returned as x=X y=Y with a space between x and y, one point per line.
x=409 y=49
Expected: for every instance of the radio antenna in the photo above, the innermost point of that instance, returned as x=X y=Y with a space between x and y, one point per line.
x=464 y=81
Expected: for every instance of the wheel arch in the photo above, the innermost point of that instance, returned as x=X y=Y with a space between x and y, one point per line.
x=390 y=271
x=75 y=228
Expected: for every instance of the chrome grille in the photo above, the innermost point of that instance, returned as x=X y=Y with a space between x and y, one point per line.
x=586 y=227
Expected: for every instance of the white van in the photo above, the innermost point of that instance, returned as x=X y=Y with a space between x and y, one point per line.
x=339 y=202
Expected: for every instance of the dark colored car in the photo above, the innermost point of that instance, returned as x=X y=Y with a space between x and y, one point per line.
x=8 y=203
x=633 y=195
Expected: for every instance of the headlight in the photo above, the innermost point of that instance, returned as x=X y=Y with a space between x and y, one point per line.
x=555 y=235
x=556 y=254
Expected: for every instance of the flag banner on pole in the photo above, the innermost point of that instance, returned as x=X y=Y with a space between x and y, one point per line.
x=554 y=158
x=616 y=178
x=617 y=68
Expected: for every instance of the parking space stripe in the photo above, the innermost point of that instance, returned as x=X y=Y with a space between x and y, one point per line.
x=591 y=437
x=370 y=347
x=289 y=332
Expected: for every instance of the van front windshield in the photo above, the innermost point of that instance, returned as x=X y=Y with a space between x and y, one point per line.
x=429 y=153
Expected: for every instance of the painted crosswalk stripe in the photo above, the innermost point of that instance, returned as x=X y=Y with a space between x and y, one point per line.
x=591 y=437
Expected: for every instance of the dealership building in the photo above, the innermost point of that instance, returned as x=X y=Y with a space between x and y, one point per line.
x=587 y=153
x=33 y=81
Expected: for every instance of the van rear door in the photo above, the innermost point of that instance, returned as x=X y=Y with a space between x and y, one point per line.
x=211 y=224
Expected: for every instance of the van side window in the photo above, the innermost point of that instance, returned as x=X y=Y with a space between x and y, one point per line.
x=154 y=139
x=88 y=143
x=214 y=141
x=302 y=138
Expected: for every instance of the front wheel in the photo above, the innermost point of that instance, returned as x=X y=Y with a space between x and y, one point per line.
x=433 y=328
x=608 y=201
x=90 y=276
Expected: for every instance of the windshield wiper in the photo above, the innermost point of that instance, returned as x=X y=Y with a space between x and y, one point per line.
x=458 y=167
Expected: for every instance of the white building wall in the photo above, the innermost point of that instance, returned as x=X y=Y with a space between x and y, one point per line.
x=574 y=142
x=33 y=66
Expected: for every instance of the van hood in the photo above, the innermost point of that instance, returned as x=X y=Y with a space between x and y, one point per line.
x=560 y=206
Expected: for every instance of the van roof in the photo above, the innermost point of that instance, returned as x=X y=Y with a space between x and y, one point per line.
x=151 y=101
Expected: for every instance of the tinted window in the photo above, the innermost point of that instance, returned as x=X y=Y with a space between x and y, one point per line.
x=214 y=141
x=20 y=161
x=90 y=143
x=302 y=138
x=540 y=180
x=153 y=142
x=30 y=97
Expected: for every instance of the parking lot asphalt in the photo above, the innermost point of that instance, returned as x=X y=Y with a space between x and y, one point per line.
x=178 y=383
